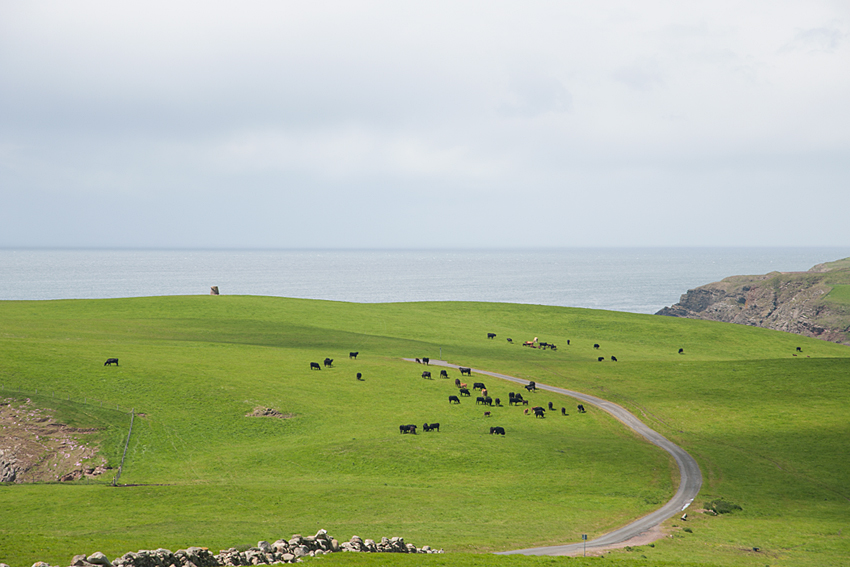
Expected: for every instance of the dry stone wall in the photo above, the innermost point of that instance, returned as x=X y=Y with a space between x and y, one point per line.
x=265 y=553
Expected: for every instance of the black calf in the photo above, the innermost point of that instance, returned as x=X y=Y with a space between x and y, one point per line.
x=426 y=374
x=111 y=361
x=315 y=366
x=491 y=335
x=444 y=374
x=580 y=408
x=454 y=399
x=464 y=392
x=353 y=355
x=329 y=362
x=497 y=430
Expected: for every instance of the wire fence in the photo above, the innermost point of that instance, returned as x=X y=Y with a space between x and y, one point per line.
x=49 y=393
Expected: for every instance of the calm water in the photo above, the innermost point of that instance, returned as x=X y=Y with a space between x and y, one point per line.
x=640 y=280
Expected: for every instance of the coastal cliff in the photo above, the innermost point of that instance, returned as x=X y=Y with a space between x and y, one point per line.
x=815 y=303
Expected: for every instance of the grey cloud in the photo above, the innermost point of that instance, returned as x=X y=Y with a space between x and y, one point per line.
x=824 y=39
x=530 y=95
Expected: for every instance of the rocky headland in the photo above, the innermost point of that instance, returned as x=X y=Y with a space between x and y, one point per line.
x=813 y=303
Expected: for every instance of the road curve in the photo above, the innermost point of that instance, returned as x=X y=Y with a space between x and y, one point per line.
x=689 y=473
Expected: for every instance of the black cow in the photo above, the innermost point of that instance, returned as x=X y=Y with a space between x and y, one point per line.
x=407 y=429
x=491 y=335
x=418 y=361
x=353 y=355
x=479 y=400
x=498 y=402
x=531 y=387
x=466 y=371
x=798 y=350
x=457 y=382
x=329 y=362
x=359 y=376
x=681 y=351
x=551 y=406
x=454 y=399
x=563 y=411
x=601 y=358
x=464 y=392
x=444 y=374
x=539 y=412
x=426 y=374
x=596 y=345
x=543 y=345
x=580 y=408
x=431 y=427
x=478 y=386
x=497 y=430
x=568 y=342
x=111 y=361
x=315 y=366
x=510 y=341
x=425 y=360
x=488 y=401
x=553 y=347
x=614 y=358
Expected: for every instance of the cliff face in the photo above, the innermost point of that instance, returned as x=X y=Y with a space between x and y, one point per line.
x=796 y=302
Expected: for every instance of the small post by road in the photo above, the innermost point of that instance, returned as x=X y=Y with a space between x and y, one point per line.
x=584 y=540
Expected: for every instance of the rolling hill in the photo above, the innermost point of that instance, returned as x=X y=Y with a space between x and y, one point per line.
x=768 y=425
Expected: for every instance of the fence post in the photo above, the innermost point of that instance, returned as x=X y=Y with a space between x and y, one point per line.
x=127 y=444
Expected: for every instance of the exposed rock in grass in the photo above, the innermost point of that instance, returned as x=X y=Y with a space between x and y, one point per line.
x=260 y=411
x=36 y=448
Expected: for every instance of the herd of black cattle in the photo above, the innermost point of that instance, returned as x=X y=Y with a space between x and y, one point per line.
x=514 y=398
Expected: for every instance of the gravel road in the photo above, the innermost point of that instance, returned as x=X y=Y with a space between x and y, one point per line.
x=689 y=484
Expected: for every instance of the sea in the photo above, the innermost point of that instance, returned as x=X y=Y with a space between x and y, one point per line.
x=637 y=280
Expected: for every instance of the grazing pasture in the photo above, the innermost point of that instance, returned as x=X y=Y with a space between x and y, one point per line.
x=769 y=430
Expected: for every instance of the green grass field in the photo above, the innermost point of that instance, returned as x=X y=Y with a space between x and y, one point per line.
x=769 y=430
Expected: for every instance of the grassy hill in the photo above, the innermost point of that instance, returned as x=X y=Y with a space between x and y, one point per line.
x=768 y=428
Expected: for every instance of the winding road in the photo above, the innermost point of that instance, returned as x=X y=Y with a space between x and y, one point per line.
x=689 y=484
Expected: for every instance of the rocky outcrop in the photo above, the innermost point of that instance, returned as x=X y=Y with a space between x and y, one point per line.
x=795 y=302
x=265 y=553
x=34 y=447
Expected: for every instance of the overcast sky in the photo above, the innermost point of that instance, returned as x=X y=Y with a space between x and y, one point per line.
x=424 y=124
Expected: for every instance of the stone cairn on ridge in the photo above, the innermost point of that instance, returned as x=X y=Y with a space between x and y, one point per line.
x=265 y=553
